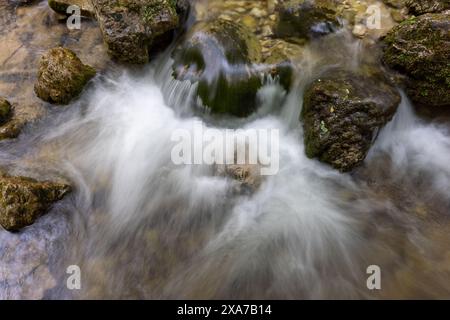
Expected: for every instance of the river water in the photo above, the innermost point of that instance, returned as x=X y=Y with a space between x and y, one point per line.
x=139 y=226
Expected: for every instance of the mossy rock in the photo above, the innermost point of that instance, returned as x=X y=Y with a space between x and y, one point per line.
x=420 y=49
x=23 y=200
x=342 y=114
x=5 y=110
x=224 y=57
x=418 y=7
x=306 y=18
x=398 y=4
x=61 y=76
x=133 y=28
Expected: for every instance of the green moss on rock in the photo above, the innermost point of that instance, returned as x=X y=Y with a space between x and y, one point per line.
x=61 y=76
x=132 y=28
x=221 y=55
x=342 y=113
x=60 y=6
x=420 y=48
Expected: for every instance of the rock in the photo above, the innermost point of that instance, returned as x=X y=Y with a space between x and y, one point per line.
x=21 y=2
x=418 y=7
x=10 y=126
x=420 y=49
x=359 y=30
x=306 y=18
x=23 y=200
x=133 y=27
x=225 y=58
x=61 y=76
x=342 y=114
x=11 y=129
x=395 y=3
x=60 y=6
x=5 y=110
x=183 y=7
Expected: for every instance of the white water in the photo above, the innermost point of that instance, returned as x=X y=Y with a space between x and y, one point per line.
x=302 y=234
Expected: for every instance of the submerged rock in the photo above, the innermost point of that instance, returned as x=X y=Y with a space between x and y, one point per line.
x=133 y=27
x=225 y=58
x=23 y=200
x=342 y=114
x=419 y=7
x=61 y=76
x=306 y=18
x=395 y=3
x=5 y=110
x=420 y=49
x=10 y=126
x=247 y=176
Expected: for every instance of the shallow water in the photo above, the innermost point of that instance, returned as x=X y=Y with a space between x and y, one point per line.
x=141 y=227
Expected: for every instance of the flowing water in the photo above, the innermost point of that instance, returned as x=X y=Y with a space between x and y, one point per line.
x=141 y=227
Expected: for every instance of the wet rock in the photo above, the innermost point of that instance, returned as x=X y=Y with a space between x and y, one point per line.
x=225 y=58
x=420 y=49
x=182 y=7
x=21 y=2
x=342 y=114
x=61 y=76
x=23 y=200
x=60 y=6
x=247 y=176
x=419 y=7
x=5 y=110
x=306 y=18
x=11 y=129
x=10 y=126
x=395 y=3
x=133 y=27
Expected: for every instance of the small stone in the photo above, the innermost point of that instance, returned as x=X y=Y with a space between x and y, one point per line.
x=359 y=30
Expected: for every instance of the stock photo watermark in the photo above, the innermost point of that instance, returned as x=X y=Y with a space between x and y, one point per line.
x=74 y=280
x=208 y=146
x=374 y=280
x=74 y=19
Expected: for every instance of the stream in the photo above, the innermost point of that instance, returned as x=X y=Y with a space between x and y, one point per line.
x=141 y=227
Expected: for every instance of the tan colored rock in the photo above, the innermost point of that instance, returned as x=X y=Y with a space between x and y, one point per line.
x=60 y=6
x=23 y=200
x=61 y=76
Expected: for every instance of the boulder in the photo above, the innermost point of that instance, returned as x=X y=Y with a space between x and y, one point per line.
x=418 y=7
x=224 y=57
x=23 y=200
x=419 y=48
x=132 y=28
x=61 y=76
x=306 y=18
x=342 y=114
